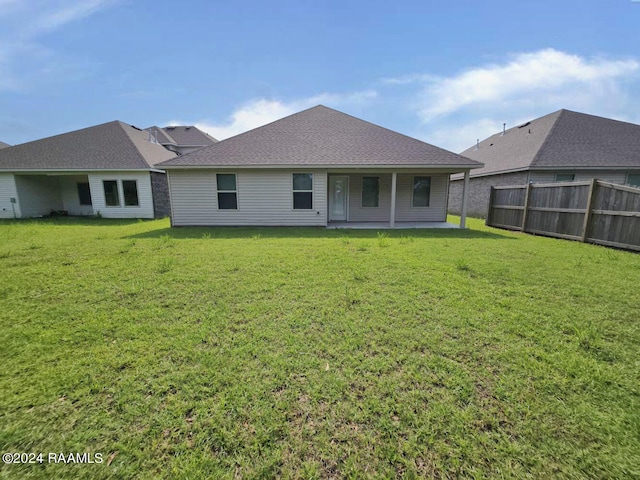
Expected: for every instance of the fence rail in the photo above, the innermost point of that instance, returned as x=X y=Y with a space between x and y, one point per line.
x=595 y=212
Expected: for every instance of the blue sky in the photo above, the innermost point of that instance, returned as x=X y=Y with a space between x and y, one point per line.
x=444 y=72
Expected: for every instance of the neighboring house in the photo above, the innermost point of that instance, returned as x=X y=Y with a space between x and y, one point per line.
x=318 y=167
x=560 y=147
x=4 y=145
x=180 y=139
x=107 y=169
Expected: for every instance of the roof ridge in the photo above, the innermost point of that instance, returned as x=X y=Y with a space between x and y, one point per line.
x=135 y=147
x=166 y=134
x=561 y=113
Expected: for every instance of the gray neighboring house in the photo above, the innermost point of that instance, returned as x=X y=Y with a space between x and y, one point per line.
x=107 y=169
x=560 y=147
x=180 y=139
x=318 y=167
x=4 y=145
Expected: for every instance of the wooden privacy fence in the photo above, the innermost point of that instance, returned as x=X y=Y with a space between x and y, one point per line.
x=595 y=211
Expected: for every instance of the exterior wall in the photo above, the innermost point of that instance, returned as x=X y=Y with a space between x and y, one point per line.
x=381 y=213
x=479 y=191
x=145 y=196
x=437 y=209
x=39 y=195
x=606 y=175
x=435 y=212
x=160 y=190
x=7 y=192
x=265 y=197
x=69 y=194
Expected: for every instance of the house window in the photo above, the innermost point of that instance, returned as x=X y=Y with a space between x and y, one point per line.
x=130 y=191
x=111 y=197
x=227 y=191
x=84 y=193
x=302 y=191
x=421 y=191
x=633 y=179
x=565 y=177
x=370 y=191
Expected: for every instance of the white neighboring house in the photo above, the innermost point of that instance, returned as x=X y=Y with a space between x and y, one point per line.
x=106 y=170
x=181 y=138
x=318 y=167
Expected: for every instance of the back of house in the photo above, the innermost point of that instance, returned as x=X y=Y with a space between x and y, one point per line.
x=318 y=167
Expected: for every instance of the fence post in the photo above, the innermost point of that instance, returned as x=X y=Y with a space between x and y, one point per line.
x=488 y=221
x=525 y=213
x=587 y=213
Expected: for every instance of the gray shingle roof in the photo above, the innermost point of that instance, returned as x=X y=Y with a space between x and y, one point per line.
x=4 y=145
x=161 y=135
x=562 y=139
x=113 y=145
x=189 y=136
x=321 y=136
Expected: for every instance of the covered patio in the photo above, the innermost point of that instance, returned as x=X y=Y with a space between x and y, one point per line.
x=391 y=198
x=386 y=225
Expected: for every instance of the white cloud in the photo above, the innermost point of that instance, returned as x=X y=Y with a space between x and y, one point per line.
x=259 y=112
x=453 y=111
x=457 y=137
x=22 y=24
x=527 y=77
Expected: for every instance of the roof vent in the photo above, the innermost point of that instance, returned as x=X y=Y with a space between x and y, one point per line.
x=504 y=129
x=524 y=125
x=187 y=128
x=478 y=144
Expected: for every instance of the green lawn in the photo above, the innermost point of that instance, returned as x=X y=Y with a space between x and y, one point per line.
x=310 y=353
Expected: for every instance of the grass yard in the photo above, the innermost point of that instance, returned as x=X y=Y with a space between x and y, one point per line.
x=311 y=353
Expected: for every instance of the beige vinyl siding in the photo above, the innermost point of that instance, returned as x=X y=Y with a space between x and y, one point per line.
x=265 y=197
x=437 y=209
x=39 y=195
x=358 y=213
x=69 y=193
x=606 y=175
x=7 y=192
x=145 y=196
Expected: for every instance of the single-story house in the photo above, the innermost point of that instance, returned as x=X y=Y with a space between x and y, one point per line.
x=318 y=167
x=107 y=169
x=563 y=146
x=180 y=139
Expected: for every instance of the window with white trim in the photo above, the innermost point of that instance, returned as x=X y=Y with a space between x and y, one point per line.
x=370 y=191
x=421 y=191
x=111 y=195
x=227 y=191
x=130 y=192
x=302 y=191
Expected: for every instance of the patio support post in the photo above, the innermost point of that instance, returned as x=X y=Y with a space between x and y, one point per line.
x=392 y=217
x=465 y=198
